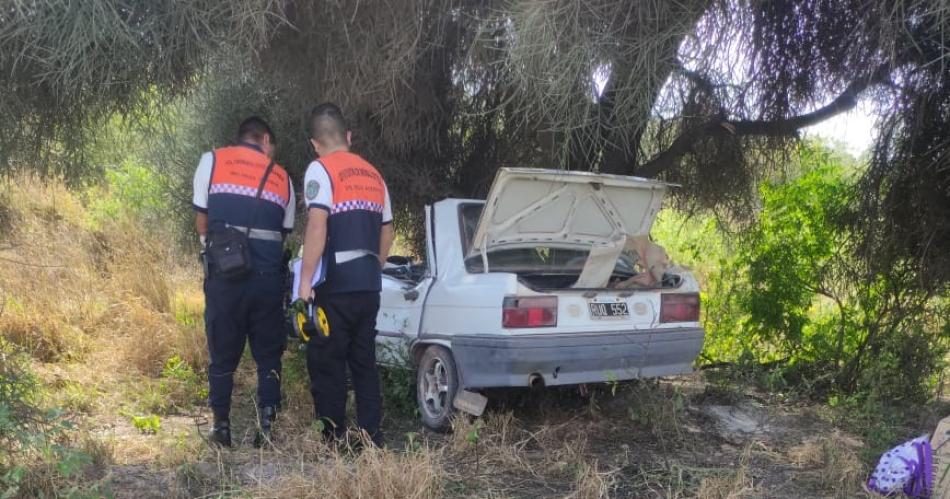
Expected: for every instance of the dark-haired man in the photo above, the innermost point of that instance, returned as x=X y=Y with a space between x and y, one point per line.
x=350 y=226
x=239 y=192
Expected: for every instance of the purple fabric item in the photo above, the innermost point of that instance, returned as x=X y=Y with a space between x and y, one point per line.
x=907 y=467
x=922 y=484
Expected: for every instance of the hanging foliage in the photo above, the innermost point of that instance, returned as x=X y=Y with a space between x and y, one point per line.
x=440 y=93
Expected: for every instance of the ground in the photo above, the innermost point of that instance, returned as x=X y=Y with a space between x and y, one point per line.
x=676 y=437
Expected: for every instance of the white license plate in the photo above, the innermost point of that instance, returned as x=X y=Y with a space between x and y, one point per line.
x=608 y=310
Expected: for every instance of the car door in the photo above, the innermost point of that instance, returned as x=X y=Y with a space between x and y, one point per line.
x=400 y=315
x=402 y=301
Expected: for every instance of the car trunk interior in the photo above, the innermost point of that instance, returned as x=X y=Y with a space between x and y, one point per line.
x=545 y=269
x=548 y=282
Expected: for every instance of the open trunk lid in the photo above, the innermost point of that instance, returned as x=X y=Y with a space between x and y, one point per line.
x=598 y=213
x=527 y=206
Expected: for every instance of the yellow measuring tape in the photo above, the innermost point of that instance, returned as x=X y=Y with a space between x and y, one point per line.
x=323 y=325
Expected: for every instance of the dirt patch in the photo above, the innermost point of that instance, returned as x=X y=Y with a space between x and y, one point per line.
x=735 y=420
x=139 y=481
x=749 y=420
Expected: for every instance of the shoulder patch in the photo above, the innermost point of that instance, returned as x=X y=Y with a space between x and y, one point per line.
x=312 y=189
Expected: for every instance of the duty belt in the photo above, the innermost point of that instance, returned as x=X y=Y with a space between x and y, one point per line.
x=261 y=234
x=346 y=256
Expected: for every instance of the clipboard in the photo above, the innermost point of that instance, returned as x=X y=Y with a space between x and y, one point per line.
x=319 y=275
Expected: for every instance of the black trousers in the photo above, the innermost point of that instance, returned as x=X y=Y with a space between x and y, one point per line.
x=352 y=342
x=237 y=313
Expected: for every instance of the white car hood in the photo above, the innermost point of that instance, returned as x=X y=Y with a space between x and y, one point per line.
x=533 y=207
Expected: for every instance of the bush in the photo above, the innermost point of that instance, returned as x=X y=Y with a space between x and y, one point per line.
x=789 y=253
x=398 y=381
x=130 y=190
x=791 y=299
x=815 y=304
x=37 y=454
x=702 y=242
x=185 y=387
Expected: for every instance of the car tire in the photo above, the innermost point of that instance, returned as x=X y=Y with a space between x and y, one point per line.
x=436 y=386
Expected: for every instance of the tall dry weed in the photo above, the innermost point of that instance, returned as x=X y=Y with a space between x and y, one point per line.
x=836 y=460
x=146 y=340
x=48 y=338
x=76 y=290
x=375 y=473
x=591 y=483
x=732 y=485
x=563 y=446
x=139 y=262
x=45 y=276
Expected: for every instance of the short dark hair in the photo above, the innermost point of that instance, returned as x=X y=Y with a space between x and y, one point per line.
x=255 y=128
x=327 y=123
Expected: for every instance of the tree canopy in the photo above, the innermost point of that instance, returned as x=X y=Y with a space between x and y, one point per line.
x=441 y=93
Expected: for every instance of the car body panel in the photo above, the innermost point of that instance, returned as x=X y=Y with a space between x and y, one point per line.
x=570 y=358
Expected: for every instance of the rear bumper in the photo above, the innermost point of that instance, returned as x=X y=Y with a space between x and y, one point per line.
x=486 y=361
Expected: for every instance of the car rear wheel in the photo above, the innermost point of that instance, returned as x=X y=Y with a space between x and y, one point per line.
x=436 y=386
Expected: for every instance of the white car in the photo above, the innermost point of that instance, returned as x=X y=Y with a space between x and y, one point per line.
x=519 y=290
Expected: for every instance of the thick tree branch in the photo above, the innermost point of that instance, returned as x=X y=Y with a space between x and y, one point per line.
x=717 y=126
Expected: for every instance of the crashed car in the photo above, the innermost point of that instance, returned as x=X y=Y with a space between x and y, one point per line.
x=552 y=280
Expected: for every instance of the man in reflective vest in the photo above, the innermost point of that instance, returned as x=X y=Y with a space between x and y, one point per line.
x=247 y=309
x=349 y=227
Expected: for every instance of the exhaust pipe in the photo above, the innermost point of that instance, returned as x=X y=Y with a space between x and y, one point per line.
x=535 y=380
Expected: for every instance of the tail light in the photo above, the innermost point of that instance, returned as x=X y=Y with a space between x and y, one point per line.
x=679 y=307
x=529 y=311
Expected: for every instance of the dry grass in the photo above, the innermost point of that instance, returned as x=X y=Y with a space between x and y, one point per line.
x=45 y=274
x=301 y=465
x=834 y=460
x=46 y=339
x=733 y=485
x=94 y=304
x=67 y=289
x=374 y=473
x=499 y=456
x=592 y=484
x=71 y=465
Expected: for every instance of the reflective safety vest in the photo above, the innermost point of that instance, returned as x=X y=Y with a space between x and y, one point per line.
x=235 y=176
x=356 y=217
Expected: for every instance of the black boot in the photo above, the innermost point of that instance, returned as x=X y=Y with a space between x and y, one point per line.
x=220 y=433
x=267 y=416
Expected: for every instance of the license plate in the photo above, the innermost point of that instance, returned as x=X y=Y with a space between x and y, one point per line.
x=608 y=310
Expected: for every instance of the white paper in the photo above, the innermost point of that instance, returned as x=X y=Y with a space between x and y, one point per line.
x=319 y=275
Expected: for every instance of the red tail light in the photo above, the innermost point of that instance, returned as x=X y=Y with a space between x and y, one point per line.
x=529 y=311
x=679 y=307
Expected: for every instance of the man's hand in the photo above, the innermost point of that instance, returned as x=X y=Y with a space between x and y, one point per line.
x=386 y=237
x=201 y=224
x=305 y=292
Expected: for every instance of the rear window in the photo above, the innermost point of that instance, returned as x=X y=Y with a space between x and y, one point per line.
x=540 y=259
x=531 y=260
x=469 y=213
